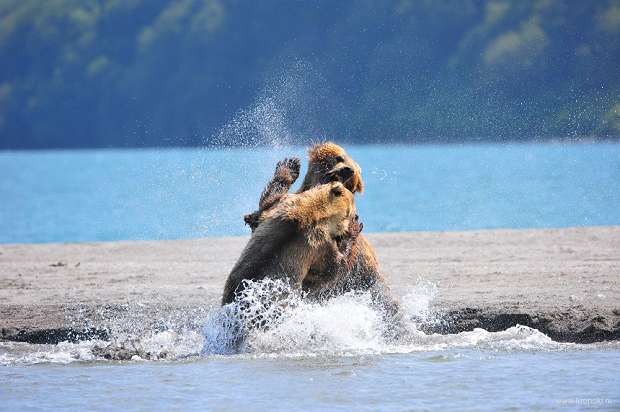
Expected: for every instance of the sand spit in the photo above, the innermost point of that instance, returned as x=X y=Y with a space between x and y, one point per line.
x=563 y=282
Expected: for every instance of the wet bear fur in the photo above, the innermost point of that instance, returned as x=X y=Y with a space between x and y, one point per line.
x=301 y=231
x=328 y=162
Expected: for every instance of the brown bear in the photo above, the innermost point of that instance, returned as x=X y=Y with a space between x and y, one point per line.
x=300 y=231
x=329 y=162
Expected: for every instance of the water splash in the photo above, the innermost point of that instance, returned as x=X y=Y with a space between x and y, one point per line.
x=282 y=115
x=257 y=307
x=272 y=320
x=264 y=123
x=256 y=323
x=345 y=325
x=296 y=105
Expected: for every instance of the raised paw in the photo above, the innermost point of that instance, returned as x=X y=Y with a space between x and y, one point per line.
x=288 y=169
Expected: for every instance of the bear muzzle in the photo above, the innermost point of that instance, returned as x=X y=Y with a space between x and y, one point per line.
x=340 y=174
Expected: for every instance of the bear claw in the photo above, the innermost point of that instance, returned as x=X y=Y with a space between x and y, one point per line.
x=289 y=168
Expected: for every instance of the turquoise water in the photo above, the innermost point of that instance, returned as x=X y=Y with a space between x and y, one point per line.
x=94 y=195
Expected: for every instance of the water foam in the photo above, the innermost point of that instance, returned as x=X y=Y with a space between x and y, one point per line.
x=19 y=353
x=347 y=325
x=271 y=319
x=256 y=324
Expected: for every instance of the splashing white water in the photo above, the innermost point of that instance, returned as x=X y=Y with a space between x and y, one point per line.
x=264 y=123
x=270 y=319
x=347 y=324
x=257 y=324
x=344 y=324
x=281 y=110
x=19 y=353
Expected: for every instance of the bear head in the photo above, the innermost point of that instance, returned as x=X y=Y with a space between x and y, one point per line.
x=328 y=162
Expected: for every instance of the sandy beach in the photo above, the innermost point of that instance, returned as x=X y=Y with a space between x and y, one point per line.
x=564 y=282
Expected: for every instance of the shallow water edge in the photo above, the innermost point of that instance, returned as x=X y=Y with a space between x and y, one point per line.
x=559 y=326
x=294 y=327
x=137 y=325
x=562 y=282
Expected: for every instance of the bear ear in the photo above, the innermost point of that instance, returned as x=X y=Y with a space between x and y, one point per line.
x=358 y=186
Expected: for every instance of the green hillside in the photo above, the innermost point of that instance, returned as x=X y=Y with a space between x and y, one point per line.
x=86 y=73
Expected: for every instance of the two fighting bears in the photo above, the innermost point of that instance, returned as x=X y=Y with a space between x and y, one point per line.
x=312 y=238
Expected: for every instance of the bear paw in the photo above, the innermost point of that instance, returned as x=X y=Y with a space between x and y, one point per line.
x=287 y=170
x=346 y=243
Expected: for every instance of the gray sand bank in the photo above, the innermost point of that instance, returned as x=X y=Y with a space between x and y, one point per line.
x=564 y=282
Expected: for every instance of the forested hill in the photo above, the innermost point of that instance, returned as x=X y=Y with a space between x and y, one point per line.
x=86 y=73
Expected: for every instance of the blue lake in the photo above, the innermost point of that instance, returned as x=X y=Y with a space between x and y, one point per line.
x=97 y=195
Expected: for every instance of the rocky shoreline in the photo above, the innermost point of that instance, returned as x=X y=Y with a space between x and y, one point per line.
x=563 y=282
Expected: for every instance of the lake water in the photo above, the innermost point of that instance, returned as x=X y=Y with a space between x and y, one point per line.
x=462 y=379
x=95 y=195
x=332 y=356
